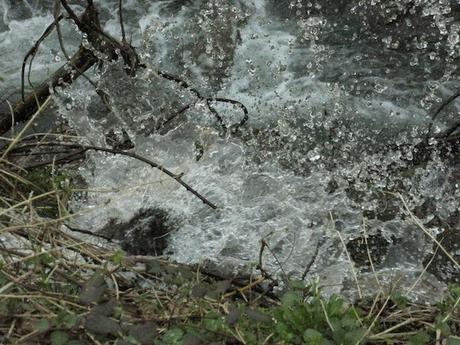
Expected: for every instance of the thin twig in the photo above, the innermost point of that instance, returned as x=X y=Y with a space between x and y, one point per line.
x=122 y=25
x=429 y=234
x=207 y=100
x=355 y=276
x=439 y=110
x=71 y=157
x=173 y=116
x=56 y=15
x=424 y=270
x=280 y=265
x=370 y=256
x=239 y=104
x=312 y=260
x=18 y=137
x=369 y=329
x=34 y=49
x=128 y=154
x=264 y=273
x=73 y=16
x=391 y=329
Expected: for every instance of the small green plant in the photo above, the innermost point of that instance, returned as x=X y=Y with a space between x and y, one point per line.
x=41 y=181
x=306 y=317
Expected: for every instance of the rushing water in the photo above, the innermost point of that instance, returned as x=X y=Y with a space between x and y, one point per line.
x=331 y=87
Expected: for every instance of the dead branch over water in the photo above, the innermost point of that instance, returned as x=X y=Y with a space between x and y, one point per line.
x=81 y=149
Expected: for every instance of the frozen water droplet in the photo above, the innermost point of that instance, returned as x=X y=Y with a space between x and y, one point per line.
x=453 y=38
x=379 y=88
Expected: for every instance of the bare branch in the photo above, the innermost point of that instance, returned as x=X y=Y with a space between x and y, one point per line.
x=438 y=111
x=81 y=61
x=239 y=104
x=24 y=109
x=33 y=50
x=173 y=116
x=260 y=265
x=182 y=83
x=56 y=14
x=449 y=131
x=122 y=25
x=85 y=148
x=312 y=260
x=81 y=25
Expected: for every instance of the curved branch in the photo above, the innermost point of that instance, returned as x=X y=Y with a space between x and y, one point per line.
x=122 y=24
x=33 y=50
x=449 y=131
x=80 y=62
x=438 y=111
x=81 y=25
x=84 y=148
x=182 y=83
x=237 y=103
x=23 y=110
x=216 y=114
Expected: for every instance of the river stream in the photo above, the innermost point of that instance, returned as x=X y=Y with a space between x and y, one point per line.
x=338 y=92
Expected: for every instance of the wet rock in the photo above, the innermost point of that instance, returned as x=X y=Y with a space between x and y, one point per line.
x=409 y=249
x=119 y=140
x=332 y=186
x=146 y=233
x=388 y=208
x=377 y=248
x=94 y=289
x=101 y=325
x=442 y=266
x=15 y=10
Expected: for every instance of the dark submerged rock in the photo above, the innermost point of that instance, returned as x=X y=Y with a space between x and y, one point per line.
x=377 y=248
x=146 y=233
x=442 y=266
x=119 y=140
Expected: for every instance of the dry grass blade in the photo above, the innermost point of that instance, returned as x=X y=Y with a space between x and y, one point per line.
x=429 y=234
x=370 y=256
x=352 y=267
x=374 y=321
x=18 y=137
x=419 y=278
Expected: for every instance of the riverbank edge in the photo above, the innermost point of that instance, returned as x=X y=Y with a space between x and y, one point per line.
x=57 y=288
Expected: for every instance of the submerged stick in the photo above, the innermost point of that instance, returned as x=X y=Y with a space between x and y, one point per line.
x=438 y=111
x=122 y=24
x=207 y=100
